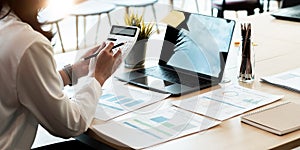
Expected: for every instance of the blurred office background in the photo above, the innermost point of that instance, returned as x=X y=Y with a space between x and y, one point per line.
x=66 y=39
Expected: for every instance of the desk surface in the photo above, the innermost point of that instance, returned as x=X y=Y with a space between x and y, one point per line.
x=277 y=51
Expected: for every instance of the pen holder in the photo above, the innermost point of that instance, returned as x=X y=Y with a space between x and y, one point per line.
x=136 y=57
x=247 y=56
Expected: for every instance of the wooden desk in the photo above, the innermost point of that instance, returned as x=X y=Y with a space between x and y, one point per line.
x=277 y=51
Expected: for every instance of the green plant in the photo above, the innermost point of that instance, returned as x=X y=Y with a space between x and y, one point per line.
x=146 y=29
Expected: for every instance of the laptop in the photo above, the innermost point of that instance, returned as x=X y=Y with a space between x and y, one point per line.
x=289 y=13
x=192 y=57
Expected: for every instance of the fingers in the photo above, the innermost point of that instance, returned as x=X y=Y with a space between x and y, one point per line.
x=102 y=45
x=93 y=50
x=118 y=57
x=108 y=50
x=109 y=47
x=118 y=54
x=107 y=63
x=98 y=47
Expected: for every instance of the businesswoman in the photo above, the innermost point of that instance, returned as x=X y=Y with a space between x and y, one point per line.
x=31 y=87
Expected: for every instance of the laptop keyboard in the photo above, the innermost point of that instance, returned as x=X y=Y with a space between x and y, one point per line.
x=169 y=75
x=165 y=74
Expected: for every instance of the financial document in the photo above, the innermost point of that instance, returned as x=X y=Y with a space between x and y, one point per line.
x=123 y=99
x=226 y=102
x=289 y=79
x=143 y=130
x=120 y=99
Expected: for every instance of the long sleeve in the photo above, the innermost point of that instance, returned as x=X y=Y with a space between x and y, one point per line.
x=39 y=90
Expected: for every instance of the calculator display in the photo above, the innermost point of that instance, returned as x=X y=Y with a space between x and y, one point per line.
x=125 y=31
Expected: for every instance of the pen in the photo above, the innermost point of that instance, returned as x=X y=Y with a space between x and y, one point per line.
x=95 y=54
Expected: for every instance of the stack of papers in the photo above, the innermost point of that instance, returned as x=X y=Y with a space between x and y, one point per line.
x=289 y=79
x=226 y=102
x=122 y=99
x=148 y=129
x=150 y=126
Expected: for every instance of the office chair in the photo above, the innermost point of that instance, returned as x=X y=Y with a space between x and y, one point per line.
x=284 y=3
x=236 y=5
x=137 y=3
x=196 y=2
x=289 y=3
x=268 y=4
x=47 y=17
x=90 y=8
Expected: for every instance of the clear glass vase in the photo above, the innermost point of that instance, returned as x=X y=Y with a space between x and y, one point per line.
x=246 y=66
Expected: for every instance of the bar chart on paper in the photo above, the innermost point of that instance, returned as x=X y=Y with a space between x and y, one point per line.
x=289 y=79
x=115 y=103
x=153 y=128
x=226 y=102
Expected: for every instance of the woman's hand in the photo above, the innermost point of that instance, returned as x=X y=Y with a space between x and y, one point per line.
x=106 y=63
x=101 y=67
x=81 y=68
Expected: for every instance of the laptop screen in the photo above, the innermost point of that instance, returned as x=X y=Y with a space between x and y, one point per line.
x=198 y=44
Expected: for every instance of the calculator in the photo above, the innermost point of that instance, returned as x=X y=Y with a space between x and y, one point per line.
x=123 y=34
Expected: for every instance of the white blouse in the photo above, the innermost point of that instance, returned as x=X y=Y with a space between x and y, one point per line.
x=31 y=89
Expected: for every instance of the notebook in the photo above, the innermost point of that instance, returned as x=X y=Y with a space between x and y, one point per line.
x=289 y=13
x=280 y=119
x=192 y=57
